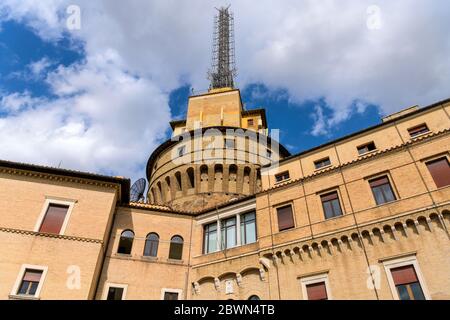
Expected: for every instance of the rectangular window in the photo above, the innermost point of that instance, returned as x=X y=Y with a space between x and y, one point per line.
x=331 y=205
x=170 y=295
x=248 y=228
x=382 y=190
x=115 y=293
x=366 y=148
x=322 y=163
x=285 y=218
x=181 y=151
x=268 y=153
x=30 y=282
x=282 y=176
x=228 y=234
x=54 y=218
x=415 y=131
x=317 y=291
x=440 y=171
x=249 y=122
x=210 y=238
x=407 y=284
x=229 y=143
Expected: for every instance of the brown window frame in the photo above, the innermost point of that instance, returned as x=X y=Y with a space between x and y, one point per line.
x=418 y=130
x=282 y=176
x=441 y=176
x=319 y=164
x=285 y=226
x=328 y=197
x=367 y=147
x=378 y=183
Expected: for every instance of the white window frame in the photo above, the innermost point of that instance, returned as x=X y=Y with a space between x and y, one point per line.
x=179 y=291
x=23 y=268
x=401 y=262
x=47 y=203
x=317 y=278
x=115 y=285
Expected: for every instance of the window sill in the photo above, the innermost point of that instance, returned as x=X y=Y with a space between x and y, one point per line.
x=420 y=135
x=123 y=255
x=282 y=181
x=367 y=153
x=22 y=297
x=175 y=261
x=149 y=258
x=333 y=218
x=323 y=168
x=231 y=248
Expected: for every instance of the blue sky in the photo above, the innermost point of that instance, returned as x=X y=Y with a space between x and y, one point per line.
x=99 y=98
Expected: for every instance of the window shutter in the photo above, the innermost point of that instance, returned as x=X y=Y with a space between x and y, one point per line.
x=404 y=275
x=54 y=218
x=440 y=171
x=285 y=218
x=378 y=182
x=32 y=275
x=330 y=196
x=317 y=291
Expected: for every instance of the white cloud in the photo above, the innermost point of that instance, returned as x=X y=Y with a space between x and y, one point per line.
x=137 y=51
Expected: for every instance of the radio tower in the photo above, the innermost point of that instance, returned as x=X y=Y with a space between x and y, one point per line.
x=223 y=67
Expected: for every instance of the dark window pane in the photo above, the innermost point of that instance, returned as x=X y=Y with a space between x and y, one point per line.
x=403 y=292
x=176 y=248
x=382 y=190
x=170 y=296
x=418 y=130
x=33 y=288
x=151 y=245
x=126 y=242
x=254 y=297
x=23 y=287
x=115 y=293
x=417 y=291
x=322 y=163
x=331 y=205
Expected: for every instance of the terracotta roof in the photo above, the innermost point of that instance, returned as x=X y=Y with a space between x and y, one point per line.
x=122 y=182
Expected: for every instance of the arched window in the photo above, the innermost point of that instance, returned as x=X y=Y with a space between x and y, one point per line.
x=178 y=178
x=126 y=242
x=191 y=176
x=254 y=297
x=176 y=248
x=151 y=245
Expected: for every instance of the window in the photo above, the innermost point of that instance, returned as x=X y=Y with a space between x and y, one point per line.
x=248 y=228
x=317 y=291
x=440 y=171
x=115 y=293
x=415 y=131
x=366 y=148
x=126 y=242
x=170 y=295
x=407 y=284
x=181 y=151
x=228 y=233
x=151 y=245
x=322 y=163
x=254 y=297
x=331 y=205
x=54 y=218
x=282 y=176
x=191 y=176
x=176 y=248
x=229 y=143
x=316 y=287
x=249 y=122
x=30 y=282
x=268 y=153
x=382 y=190
x=210 y=238
x=285 y=218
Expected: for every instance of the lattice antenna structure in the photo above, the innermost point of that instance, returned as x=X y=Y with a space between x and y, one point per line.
x=223 y=68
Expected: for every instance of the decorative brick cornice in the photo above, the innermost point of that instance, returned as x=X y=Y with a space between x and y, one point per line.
x=49 y=235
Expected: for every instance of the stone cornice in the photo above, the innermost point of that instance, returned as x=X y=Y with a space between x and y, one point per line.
x=49 y=235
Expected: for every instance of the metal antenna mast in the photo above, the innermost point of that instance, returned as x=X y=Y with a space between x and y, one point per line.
x=223 y=67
